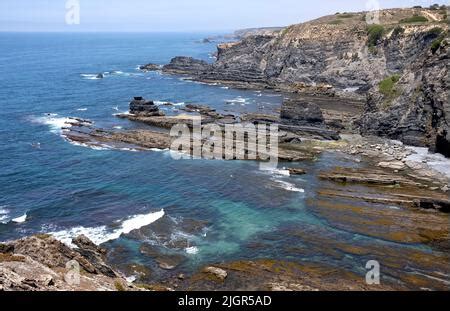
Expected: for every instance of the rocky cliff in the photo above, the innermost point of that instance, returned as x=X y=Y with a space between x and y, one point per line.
x=343 y=55
x=413 y=105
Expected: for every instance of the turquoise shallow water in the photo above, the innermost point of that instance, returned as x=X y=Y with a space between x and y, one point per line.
x=65 y=189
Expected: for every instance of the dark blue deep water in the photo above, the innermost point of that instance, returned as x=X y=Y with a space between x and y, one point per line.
x=50 y=185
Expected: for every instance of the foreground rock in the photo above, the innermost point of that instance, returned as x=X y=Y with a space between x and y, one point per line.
x=42 y=263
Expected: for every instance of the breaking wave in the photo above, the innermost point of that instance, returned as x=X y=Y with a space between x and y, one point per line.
x=54 y=122
x=20 y=219
x=3 y=215
x=101 y=234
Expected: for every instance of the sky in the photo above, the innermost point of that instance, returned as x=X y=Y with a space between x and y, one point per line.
x=173 y=15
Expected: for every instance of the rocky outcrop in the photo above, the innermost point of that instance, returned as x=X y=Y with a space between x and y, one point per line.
x=186 y=65
x=140 y=106
x=339 y=55
x=42 y=263
x=150 y=67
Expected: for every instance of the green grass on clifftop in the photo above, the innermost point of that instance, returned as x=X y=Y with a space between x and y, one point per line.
x=345 y=15
x=414 y=19
x=436 y=44
x=336 y=22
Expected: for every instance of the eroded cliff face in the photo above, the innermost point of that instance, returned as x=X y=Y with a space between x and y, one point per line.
x=416 y=110
x=336 y=55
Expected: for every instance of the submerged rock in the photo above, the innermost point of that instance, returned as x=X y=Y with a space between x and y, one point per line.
x=268 y=274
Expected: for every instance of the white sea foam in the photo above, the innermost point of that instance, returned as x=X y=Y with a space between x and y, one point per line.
x=191 y=250
x=160 y=103
x=288 y=186
x=97 y=235
x=54 y=122
x=82 y=109
x=20 y=219
x=101 y=234
x=282 y=172
x=102 y=147
x=139 y=221
x=237 y=100
x=94 y=147
x=159 y=150
x=127 y=113
x=3 y=215
x=88 y=76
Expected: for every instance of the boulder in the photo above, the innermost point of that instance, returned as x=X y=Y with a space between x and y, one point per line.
x=216 y=272
x=296 y=171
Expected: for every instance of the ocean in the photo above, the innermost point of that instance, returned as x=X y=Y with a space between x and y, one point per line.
x=210 y=211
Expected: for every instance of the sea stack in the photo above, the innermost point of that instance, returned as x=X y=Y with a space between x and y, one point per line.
x=140 y=106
